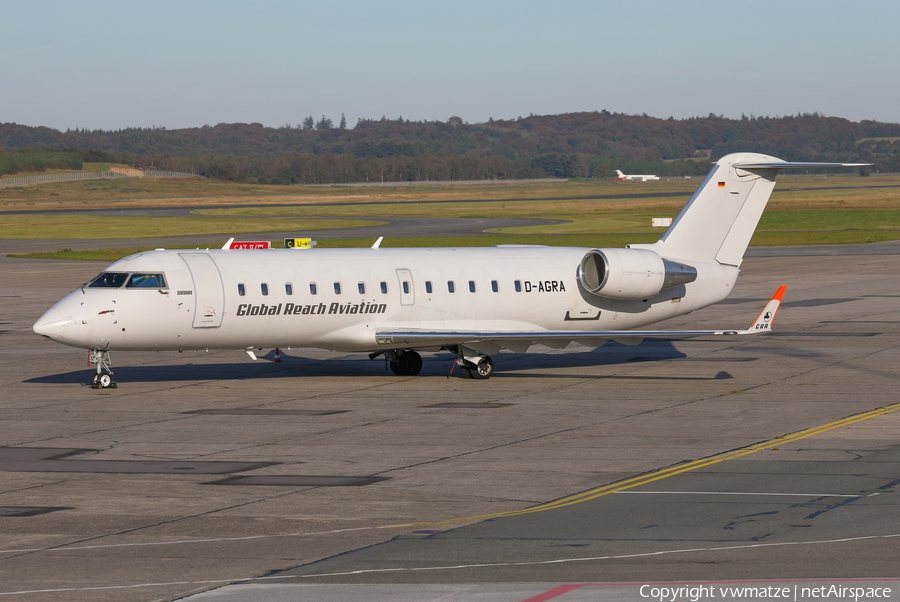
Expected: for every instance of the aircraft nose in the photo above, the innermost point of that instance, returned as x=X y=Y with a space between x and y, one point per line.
x=54 y=324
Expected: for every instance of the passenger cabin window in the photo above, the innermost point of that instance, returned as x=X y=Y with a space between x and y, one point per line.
x=146 y=281
x=241 y=290
x=405 y=287
x=312 y=288
x=518 y=284
x=362 y=288
x=451 y=287
x=109 y=280
x=384 y=288
x=288 y=288
x=337 y=288
x=428 y=286
x=265 y=289
x=471 y=286
x=494 y=285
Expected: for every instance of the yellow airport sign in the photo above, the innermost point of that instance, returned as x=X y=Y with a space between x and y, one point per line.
x=299 y=243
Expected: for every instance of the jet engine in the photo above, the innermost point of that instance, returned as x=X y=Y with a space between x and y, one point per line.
x=630 y=273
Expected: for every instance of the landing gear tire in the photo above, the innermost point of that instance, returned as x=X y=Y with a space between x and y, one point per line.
x=406 y=363
x=464 y=371
x=483 y=369
x=102 y=379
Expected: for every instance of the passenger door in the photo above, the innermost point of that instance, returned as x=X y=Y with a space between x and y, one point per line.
x=209 y=294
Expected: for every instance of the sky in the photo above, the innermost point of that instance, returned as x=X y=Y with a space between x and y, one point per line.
x=189 y=63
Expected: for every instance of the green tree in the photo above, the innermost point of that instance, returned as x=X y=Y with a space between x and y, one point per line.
x=308 y=123
x=324 y=124
x=343 y=124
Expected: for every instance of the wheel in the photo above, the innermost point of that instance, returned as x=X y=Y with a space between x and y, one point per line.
x=412 y=363
x=104 y=380
x=464 y=371
x=408 y=363
x=483 y=369
x=95 y=380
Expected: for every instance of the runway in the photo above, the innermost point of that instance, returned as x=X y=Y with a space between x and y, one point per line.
x=773 y=457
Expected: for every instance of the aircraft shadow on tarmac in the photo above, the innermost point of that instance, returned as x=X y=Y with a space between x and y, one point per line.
x=507 y=365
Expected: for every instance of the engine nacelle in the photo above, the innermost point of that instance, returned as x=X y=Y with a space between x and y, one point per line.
x=630 y=273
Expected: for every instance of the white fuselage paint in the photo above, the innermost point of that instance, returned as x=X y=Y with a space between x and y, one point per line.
x=192 y=314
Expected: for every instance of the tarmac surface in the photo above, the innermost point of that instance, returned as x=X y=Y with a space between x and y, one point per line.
x=570 y=474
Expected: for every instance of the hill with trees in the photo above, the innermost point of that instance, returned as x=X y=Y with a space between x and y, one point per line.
x=567 y=145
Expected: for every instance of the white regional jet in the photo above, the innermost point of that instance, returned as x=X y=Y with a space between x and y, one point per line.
x=470 y=301
x=639 y=178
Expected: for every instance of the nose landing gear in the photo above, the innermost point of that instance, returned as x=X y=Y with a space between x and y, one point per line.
x=102 y=379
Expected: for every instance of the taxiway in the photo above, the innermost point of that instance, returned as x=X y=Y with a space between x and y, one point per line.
x=327 y=474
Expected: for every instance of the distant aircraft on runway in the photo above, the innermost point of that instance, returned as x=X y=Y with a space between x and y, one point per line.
x=639 y=178
x=397 y=302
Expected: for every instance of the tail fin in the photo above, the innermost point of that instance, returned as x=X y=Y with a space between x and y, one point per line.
x=620 y=174
x=719 y=220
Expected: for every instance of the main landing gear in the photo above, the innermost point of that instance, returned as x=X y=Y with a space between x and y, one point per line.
x=480 y=370
x=471 y=363
x=102 y=379
x=409 y=363
x=405 y=363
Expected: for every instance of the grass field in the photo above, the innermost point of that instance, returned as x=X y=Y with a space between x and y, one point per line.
x=136 y=192
x=85 y=167
x=803 y=210
x=760 y=239
x=101 y=226
x=610 y=240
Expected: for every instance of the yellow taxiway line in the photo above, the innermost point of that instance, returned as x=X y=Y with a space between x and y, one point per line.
x=663 y=473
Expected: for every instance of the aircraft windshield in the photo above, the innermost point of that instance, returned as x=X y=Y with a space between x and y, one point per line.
x=109 y=280
x=147 y=281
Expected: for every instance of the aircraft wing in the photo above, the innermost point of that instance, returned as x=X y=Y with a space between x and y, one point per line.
x=521 y=338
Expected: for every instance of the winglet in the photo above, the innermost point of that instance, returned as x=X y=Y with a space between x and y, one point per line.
x=227 y=245
x=378 y=242
x=767 y=316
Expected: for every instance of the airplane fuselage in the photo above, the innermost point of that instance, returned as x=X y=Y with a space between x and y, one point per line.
x=338 y=298
x=471 y=301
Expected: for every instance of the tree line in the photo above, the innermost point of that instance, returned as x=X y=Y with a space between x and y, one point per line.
x=38 y=160
x=567 y=145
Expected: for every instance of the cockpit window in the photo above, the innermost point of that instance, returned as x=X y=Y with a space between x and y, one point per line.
x=147 y=281
x=109 y=280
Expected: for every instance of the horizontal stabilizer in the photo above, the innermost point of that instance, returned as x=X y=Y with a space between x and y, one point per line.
x=721 y=217
x=787 y=164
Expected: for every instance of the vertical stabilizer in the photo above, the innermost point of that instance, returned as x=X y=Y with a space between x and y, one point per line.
x=719 y=220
